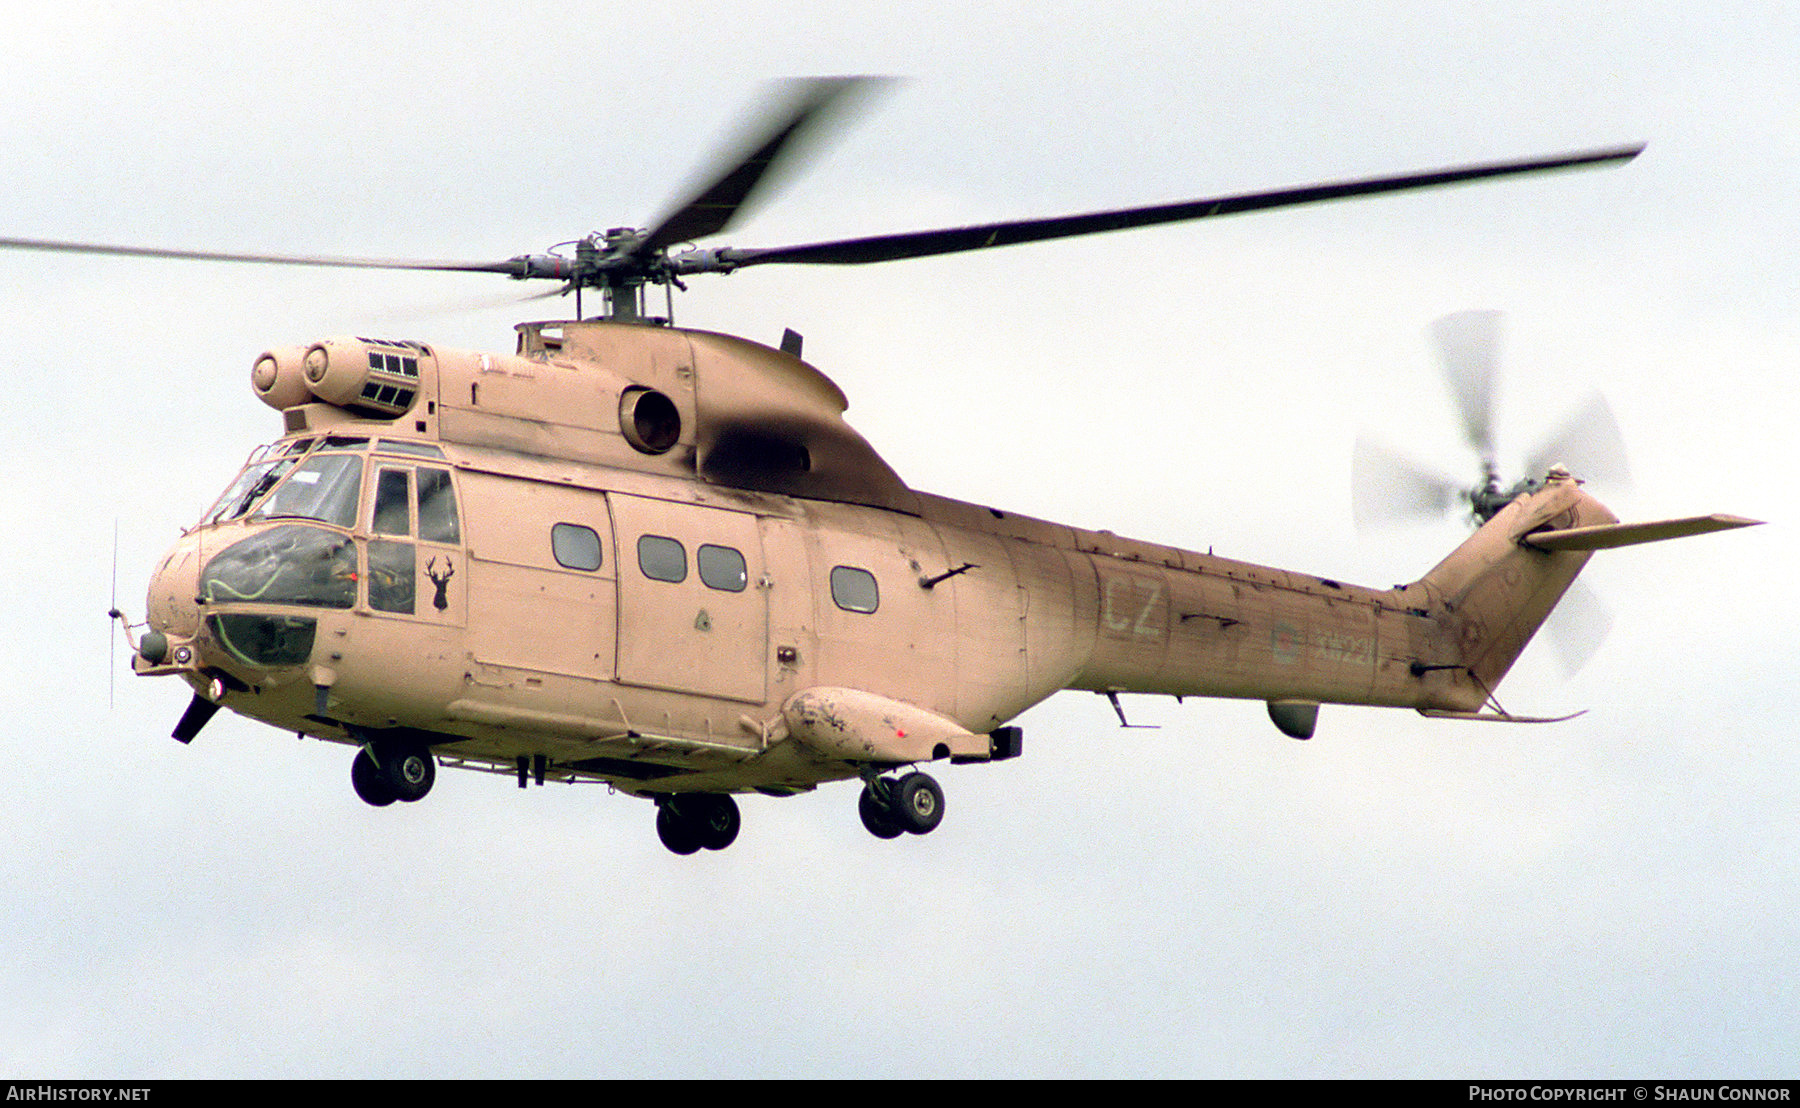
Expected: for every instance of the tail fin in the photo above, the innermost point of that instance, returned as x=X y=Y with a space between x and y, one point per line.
x=1495 y=590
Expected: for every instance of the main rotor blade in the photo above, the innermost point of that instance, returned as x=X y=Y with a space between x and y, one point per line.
x=514 y=267
x=779 y=135
x=1469 y=347
x=919 y=244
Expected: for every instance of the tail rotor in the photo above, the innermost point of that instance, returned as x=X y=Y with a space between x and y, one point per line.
x=1389 y=488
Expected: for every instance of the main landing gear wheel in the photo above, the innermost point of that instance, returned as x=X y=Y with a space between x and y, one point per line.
x=917 y=803
x=695 y=821
x=913 y=804
x=874 y=812
x=382 y=773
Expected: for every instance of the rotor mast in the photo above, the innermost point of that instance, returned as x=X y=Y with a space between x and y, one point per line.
x=622 y=287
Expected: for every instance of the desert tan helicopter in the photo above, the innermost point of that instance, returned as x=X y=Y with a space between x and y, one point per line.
x=659 y=558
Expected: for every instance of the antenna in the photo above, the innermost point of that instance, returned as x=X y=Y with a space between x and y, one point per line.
x=112 y=615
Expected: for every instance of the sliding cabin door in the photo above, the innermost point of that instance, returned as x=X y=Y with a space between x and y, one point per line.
x=693 y=599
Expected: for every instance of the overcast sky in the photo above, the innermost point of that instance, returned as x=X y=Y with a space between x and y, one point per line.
x=1399 y=897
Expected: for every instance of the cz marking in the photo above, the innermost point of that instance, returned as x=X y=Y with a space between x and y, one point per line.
x=1117 y=613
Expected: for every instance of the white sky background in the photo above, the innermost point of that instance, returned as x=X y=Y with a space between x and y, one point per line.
x=1399 y=897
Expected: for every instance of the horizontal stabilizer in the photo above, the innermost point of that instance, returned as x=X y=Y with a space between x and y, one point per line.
x=1608 y=535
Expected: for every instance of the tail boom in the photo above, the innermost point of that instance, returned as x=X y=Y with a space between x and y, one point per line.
x=1157 y=620
x=1230 y=629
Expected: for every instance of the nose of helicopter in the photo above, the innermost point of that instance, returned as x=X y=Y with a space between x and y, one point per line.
x=173 y=609
x=247 y=597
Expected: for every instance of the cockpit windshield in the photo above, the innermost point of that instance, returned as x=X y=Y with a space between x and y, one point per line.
x=257 y=479
x=324 y=487
x=312 y=478
x=277 y=484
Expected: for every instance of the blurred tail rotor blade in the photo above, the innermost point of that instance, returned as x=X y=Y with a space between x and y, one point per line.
x=1468 y=346
x=1577 y=626
x=1387 y=488
x=1589 y=444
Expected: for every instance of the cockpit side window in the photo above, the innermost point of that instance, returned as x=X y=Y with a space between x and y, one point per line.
x=392 y=515
x=437 y=507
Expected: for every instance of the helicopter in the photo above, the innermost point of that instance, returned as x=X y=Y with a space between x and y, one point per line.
x=658 y=557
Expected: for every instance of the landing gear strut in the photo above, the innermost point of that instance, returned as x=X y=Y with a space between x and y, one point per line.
x=911 y=804
x=384 y=772
x=687 y=822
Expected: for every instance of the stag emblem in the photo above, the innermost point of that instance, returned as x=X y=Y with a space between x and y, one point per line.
x=440 y=601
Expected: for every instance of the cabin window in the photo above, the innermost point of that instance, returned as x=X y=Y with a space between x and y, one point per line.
x=722 y=568
x=575 y=546
x=854 y=590
x=437 y=508
x=662 y=559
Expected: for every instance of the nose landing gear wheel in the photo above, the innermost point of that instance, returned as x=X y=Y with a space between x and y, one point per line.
x=411 y=772
x=368 y=783
x=715 y=817
x=676 y=833
x=697 y=820
x=383 y=773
